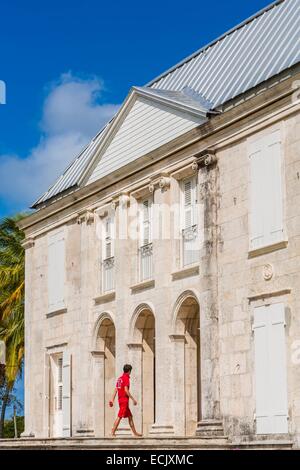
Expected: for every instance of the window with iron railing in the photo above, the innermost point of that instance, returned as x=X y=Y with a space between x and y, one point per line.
x=145 y=252
x=108 y=259
x=189 y=231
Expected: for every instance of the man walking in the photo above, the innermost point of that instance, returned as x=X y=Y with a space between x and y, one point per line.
x=122 y=389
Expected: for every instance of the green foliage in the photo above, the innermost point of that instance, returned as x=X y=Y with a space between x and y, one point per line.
x=9 y=429
x=12 y=283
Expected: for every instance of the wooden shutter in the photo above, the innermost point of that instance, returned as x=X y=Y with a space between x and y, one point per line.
x=274 y=211
x=266 y=204
x=257 y=196
x=66 y=393
x=145 y=229
x=108 y=238
x=56 y=270
x=47 y=389
x=188 y=203
x=270 y=370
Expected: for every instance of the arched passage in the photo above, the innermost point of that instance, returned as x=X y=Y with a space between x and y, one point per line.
x=143 y=356
x=187 y=329
x=104 y=375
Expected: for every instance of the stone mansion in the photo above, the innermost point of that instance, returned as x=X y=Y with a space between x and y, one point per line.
x=172 y=242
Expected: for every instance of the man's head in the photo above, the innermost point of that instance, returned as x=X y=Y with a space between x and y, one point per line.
x=127 y=368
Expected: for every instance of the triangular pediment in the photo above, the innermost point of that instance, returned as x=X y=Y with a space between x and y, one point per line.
x=147 y=121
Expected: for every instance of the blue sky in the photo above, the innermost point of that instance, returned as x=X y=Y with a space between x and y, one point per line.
x=68 y=65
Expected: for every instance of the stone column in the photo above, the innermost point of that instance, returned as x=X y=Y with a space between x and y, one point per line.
x=209 y=334
x=162 y=262
x=178 y=399
x=136 y=360
x=98 y=397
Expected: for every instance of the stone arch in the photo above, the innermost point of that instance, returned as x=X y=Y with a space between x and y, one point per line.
x=104 y=372
x=183 y=297
x=134 y=336
x=104 y=316
x=186 y=338
x=142 y=356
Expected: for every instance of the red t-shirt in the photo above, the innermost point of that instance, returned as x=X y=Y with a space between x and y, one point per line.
x=122 y=382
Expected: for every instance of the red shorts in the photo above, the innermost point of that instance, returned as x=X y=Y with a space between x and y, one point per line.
x=124 y=411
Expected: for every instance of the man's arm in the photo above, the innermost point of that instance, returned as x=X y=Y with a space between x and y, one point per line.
x=114 y=395
x=129 y=395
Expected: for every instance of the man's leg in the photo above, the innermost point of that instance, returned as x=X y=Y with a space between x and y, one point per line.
x=131 y=424
x=115 y=426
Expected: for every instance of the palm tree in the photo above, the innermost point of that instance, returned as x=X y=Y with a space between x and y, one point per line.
x=12 y=283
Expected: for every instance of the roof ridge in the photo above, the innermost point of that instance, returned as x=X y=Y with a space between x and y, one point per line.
x=214 y=41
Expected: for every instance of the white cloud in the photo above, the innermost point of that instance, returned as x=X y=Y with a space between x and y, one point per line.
x=71 y=116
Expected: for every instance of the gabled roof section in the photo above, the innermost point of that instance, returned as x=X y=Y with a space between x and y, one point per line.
x=261 y=47
x=185 y=102
x=69 y=180
x=185 y=99
x=147 y=120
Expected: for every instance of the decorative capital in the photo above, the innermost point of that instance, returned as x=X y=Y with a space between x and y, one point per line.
x=161 y=181
x=151 y=188
x=87 y=216
x=205 y=158
x=164 y=182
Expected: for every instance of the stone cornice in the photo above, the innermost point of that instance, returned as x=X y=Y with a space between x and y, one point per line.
x=28 y=243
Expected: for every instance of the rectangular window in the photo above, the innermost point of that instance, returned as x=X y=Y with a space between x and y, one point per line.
x=108 y=259
x=189 y=229
x=59 y=382
x=270 y=369
x=145 y=249
x=266 y=198
x=56 y=271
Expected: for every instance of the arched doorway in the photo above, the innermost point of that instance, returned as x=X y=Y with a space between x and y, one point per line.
x=105 y=375
x=143 y=356
x=187 y=327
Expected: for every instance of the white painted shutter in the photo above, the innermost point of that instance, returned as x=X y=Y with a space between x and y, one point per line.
x=188 y=203
x=274 y=211
x=257 y=196
x=66 y=394
x=47 y=389
x=190 y=241
x=108 y=247
x=266 y=204
x=270 y=370
x=146 y=222
x=145 y=239
x=56 y=271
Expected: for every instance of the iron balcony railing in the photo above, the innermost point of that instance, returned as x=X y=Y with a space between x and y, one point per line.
x=108 y=268
x=190 y=245
x=146 y=261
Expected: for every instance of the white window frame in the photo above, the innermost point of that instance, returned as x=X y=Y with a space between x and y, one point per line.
x=268 y=417
x=58 y=236
x=254 y=143
x=194 y=219
x=145 y=249
x=108 y=260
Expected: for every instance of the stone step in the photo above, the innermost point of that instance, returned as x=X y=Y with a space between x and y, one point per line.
x=153 y=443
x=210 y=428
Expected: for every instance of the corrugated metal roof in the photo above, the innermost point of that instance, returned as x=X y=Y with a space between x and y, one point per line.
x=187 y=99
x=251 y=53
x=242 y=58
x=69 y=179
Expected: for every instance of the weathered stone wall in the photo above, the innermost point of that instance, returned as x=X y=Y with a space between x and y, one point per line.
x=227 y=284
